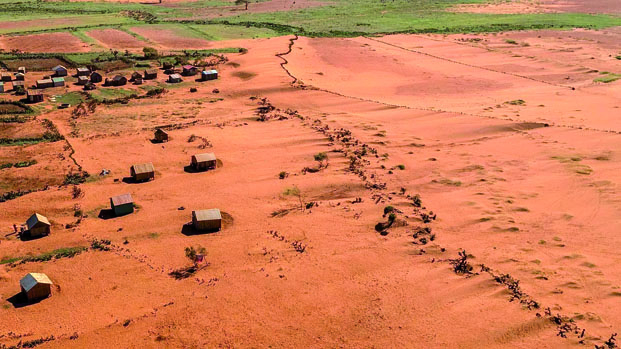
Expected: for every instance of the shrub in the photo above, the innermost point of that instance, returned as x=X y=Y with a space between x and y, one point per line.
x=388 y=209
x=191 y=252
x=321 y=156
x=150 y=53
x=283 y=175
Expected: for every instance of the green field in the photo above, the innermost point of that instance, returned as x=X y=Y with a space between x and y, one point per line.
x=336 y=18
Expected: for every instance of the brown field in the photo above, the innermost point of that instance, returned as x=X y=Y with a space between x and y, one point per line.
x=169 y=38
x=33 y=64
x=513 y=148
x=116 y=39
x=45 y=43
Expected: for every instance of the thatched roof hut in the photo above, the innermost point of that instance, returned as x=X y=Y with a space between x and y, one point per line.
x=203 y=162
x=142 y=172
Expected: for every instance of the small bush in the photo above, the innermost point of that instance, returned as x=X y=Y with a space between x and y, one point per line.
x=321 y=156
x=283 y=175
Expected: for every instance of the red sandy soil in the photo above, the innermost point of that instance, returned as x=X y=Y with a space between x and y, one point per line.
x=168 y=38
x=543 y=6
x=539 y=203
x=46 y=43
x=116 y=39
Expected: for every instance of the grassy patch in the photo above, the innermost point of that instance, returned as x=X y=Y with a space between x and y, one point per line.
x=18 y=164
x=65 y=252
x=359 y=17
x=608 y=78
x=72 y=98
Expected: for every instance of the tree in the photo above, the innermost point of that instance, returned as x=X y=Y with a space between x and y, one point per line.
x=242 y=2
x=150 y=52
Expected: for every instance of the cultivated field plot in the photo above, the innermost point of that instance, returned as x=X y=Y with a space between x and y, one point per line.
x=116 y=39
x=172 y=36
x=45 y=43
x=33 y=64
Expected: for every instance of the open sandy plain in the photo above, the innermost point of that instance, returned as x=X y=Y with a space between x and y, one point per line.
x=513 y=149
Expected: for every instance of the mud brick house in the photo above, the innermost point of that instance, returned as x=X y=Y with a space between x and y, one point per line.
x=207 y=220
x=58 y=82
x=96 y=77
x=209 y=75
x=189 y=70
x=36 y=286
x=83 y=71
x=174 y=78
x=150 y=74
x=20 y=76
x=59 y=70
x=122 y=204
x=160 y=135
x=142 y=172
x=82 y=80
x=203 y=162
x=118 y=80
x=45 y=83
x=6 y=77
x=34 y=96
x=38 y=225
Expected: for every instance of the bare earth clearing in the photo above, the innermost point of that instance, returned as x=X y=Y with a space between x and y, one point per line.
x=513 y=147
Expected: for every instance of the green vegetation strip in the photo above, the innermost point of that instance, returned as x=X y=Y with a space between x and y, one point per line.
x=18 y=164
x=66 y=252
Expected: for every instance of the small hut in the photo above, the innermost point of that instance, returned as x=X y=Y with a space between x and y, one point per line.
x=174 y=78
x=83 y=71
x=138 y=81
x=209 y=75
x=21 y=70
x=118 y=80
x=160 y=135
x=38 y=225
x=1 y=86
x=59 y=70
x=20 y=76
x=207 y=220
x=122 y=204
x=82 y=80
x=34 y=96
x=58 y=82
x=142 y=172
x=150 y=74
x=19 y=85
x=135 y=75
x=6 y=77
x=36 y=286
x=167 y=66
x=45 y=83
x=96 y=77
x=189 y=70
x=204 y=162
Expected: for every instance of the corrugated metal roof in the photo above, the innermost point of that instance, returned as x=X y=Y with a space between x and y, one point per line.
x=32 y=279
x=210 y=71
x=122 y=199
x=58 y=79
x=36 y=218
x=83 y=69
x=150 y=71
x=45 y=81
x=5 y=74
x=205 y=157
x=188 y=67
x=34 y=93
x=143 y=168
x=59 y=67
x=175 y=76
x=207 y=215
